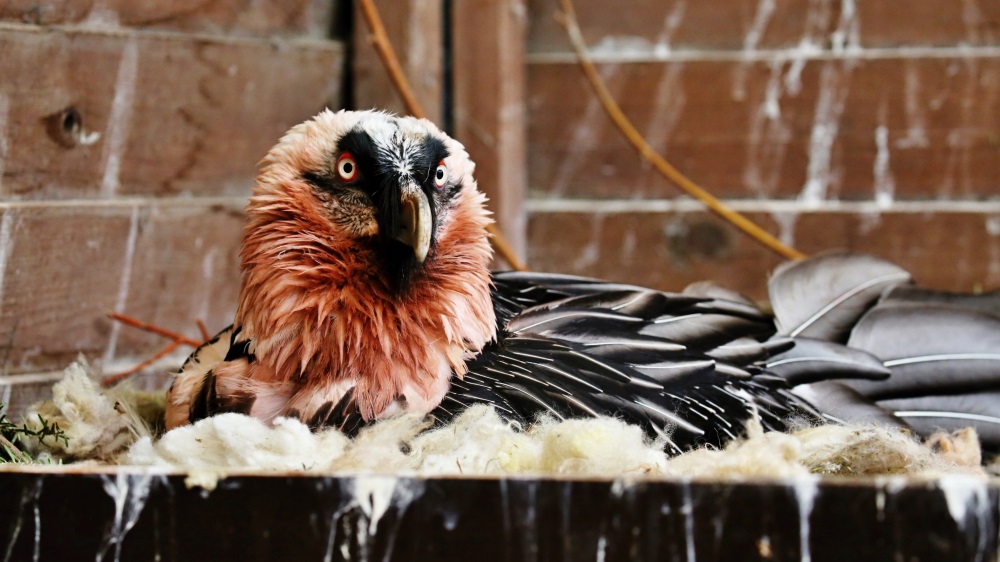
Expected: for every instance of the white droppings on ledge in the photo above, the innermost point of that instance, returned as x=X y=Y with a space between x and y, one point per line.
x=129 y=493
x=806 y=490
x=687 y=510
x=964 y=495
x=374 y=495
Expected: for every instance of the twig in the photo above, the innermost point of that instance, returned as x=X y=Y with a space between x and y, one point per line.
x=383 y=46
x=205 y=336
x=12 y=449
x=568 y=20
x=128 y=320
x=113 y=379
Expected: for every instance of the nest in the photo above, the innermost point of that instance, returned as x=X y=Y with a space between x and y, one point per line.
x=120 y=426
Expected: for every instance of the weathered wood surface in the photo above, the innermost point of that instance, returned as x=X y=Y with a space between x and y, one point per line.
x=489 y=105
x=152 y=516
x=415 y=28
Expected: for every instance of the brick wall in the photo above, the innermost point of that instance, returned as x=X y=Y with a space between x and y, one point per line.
x=129 y=136
x=871 y=126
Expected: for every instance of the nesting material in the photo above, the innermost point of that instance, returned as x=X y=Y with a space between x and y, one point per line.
x=105 y=425
x=99 y=424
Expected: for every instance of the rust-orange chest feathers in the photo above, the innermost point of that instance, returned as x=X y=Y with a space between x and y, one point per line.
x=365 y=276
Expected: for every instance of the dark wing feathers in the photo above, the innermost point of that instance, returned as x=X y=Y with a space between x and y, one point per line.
x=574 y=347
x=941 y=350
x=694 y=366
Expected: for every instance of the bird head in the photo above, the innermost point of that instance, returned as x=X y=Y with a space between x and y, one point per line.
x=365 y=260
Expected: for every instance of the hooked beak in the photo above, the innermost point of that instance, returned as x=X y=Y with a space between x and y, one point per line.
x=415 y=223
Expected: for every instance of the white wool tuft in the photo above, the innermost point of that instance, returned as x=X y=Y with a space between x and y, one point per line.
x=238 y=441
x=98 y=423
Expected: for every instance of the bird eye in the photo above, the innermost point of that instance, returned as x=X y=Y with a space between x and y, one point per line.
x=440 y=175
x=347 y=168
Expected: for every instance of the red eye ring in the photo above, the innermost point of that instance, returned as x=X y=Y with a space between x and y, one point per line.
x=347 y=167
x=440 y=175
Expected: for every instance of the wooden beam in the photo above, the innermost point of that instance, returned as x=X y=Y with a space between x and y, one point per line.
x=489 y=93
x=414 y=27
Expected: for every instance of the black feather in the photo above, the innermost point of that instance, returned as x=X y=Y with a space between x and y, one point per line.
x=930 y=349
x=824 y=296
x=815 y=360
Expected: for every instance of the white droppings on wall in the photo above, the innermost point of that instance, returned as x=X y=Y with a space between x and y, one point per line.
x=6 y=249
x=916 y=116
x=586 y=134
x=101 y=17
x=591 y=253
x=885 y=183
x=117 y=130
x=786 y=226
x=846 y=38
x=207 y=273
x=762 y=16
x=123 y=285
x=973 y=20
x=629 y=244
x=769 y=136
x=4 y=112
x=624 y=46
x=821 y=173
x=980 y=87
x=670 y=25
x=992 y=226
x=751 y=40
x=669 y=102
